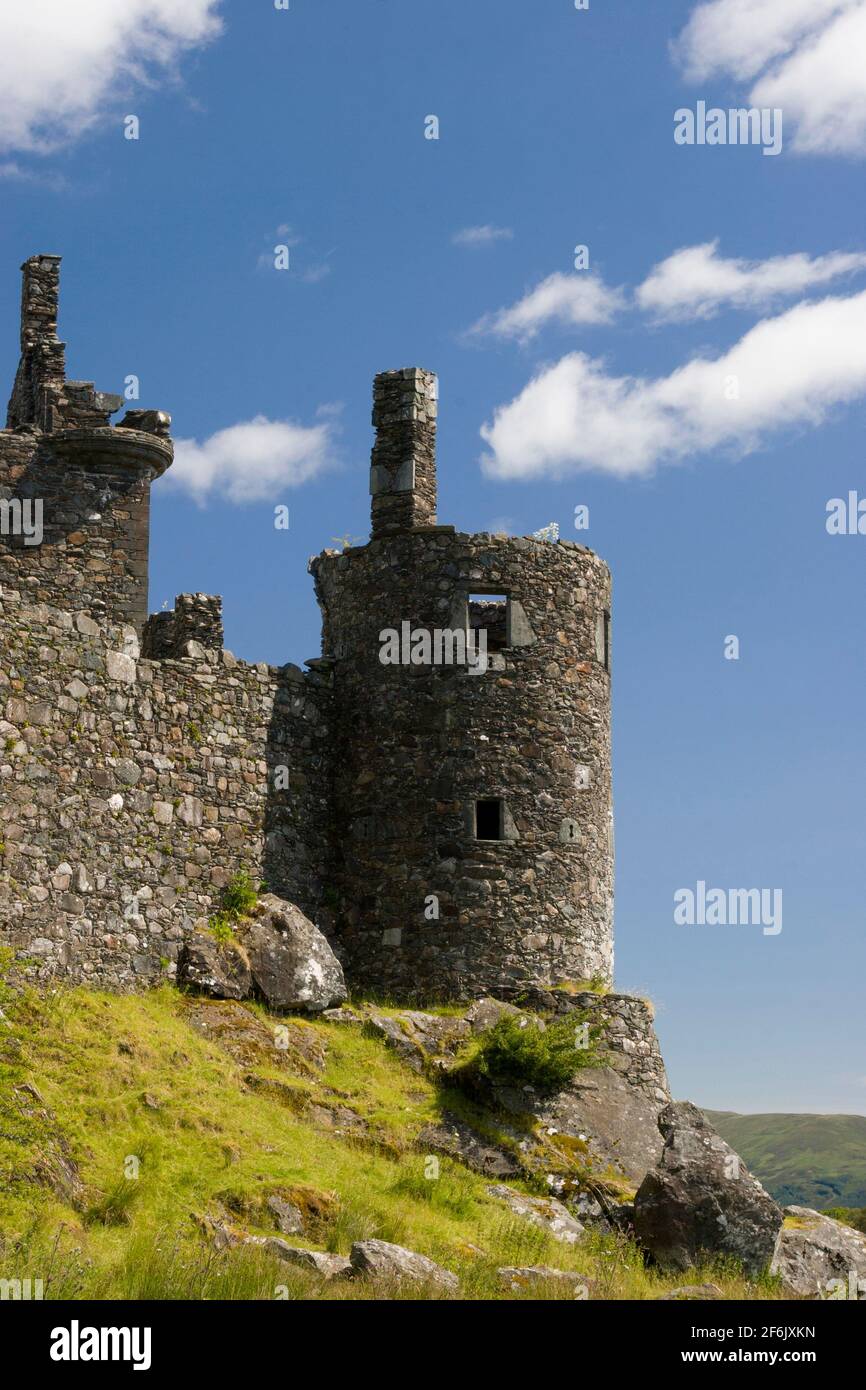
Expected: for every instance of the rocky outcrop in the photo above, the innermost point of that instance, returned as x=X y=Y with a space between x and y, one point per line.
x=457 y=1140
x=291 y=964
x=819 y=1257
x=701 y=1201
x=692 y=1293
x=378 y=1259
x=611 y=1110
x=518 y=1277
x=317 y=1261
x=278 y=956
x=545 y=1212
x=207 y=967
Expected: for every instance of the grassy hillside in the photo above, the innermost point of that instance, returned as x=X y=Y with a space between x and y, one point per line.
x=127 y=1122
x=805 y=1160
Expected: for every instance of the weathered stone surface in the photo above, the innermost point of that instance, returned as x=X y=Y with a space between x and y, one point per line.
x=287 y=1216
x=418 y=1037
x=484 y=1013
x=252 y=1042
x=208 y=968
x=545 y=1212
x=379 y=1259
x=691 y=1293
x=318 y=1261
x=701 y=1200
x=291 y=963
x=818 y=1256
x=613 y=1109
x=516 y=1277
x=458 y=1140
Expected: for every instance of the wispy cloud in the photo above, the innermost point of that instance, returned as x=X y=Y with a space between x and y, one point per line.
x=805 y=56
x=63 y=65
x=481 y=236
x=285 y=236
x=575 y=416
x=254 y=461
x=695 y=282
x=36 y=178
x=569 y=300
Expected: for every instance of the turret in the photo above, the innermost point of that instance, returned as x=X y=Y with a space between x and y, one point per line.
x=88 y=482
x=471 y=804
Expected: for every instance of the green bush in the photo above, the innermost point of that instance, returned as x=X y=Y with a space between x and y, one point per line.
x=240 y=895
x=238 y=900
x=518 y=1051
x=849 y=1216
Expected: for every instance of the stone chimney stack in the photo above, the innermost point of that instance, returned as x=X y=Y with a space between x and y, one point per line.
x=403 y=464
x=42 y=370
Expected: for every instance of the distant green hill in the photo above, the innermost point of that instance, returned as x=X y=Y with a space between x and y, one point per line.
x=805 y=1160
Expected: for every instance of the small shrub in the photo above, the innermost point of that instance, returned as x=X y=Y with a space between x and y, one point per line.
x=221 y=929
x=240 y=895
x=517 y=1051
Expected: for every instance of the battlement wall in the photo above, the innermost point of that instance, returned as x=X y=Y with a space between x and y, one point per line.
x=131 y=790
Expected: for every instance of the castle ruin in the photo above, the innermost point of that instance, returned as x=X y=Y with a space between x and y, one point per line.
x=449 y=828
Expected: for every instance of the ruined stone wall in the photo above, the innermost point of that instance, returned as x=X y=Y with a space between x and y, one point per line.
x=131 y=790
x=94 y=490
x=416 y=747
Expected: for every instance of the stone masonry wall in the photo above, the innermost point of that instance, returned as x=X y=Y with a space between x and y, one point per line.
x=416 y=747
x=131 y=790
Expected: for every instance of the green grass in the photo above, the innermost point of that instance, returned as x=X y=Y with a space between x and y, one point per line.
x=128 y=1084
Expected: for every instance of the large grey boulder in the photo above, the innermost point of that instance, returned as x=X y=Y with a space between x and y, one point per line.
x=378 y=1259
x=701 y=1201
x=207 y=967
x=291 y=963
x=818 y=1256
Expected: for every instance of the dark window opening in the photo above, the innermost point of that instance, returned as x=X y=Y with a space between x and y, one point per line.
x=606 y=640
x=490 y=613
x=488 y=820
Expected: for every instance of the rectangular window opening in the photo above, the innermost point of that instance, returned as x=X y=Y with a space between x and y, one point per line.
x=488 y=820
x=606 y=640
x=490 y=613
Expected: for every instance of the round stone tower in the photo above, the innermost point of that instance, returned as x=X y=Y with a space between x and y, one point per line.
x=472 y=819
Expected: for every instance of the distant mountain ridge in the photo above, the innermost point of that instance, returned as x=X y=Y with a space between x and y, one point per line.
x=805 y=1160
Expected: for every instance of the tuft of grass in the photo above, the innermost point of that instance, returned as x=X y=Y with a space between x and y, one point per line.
x=239 y=899
x=239 y=895
x=114 y=1208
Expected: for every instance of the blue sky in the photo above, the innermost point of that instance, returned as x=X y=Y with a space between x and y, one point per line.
x=306 y=128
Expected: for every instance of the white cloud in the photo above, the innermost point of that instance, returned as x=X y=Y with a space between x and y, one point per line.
x=566 y=299
x=696 y=281
x=61 y=63
x=804 y=56
x=481 y=236
x=791 y=371
x=254 y=461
